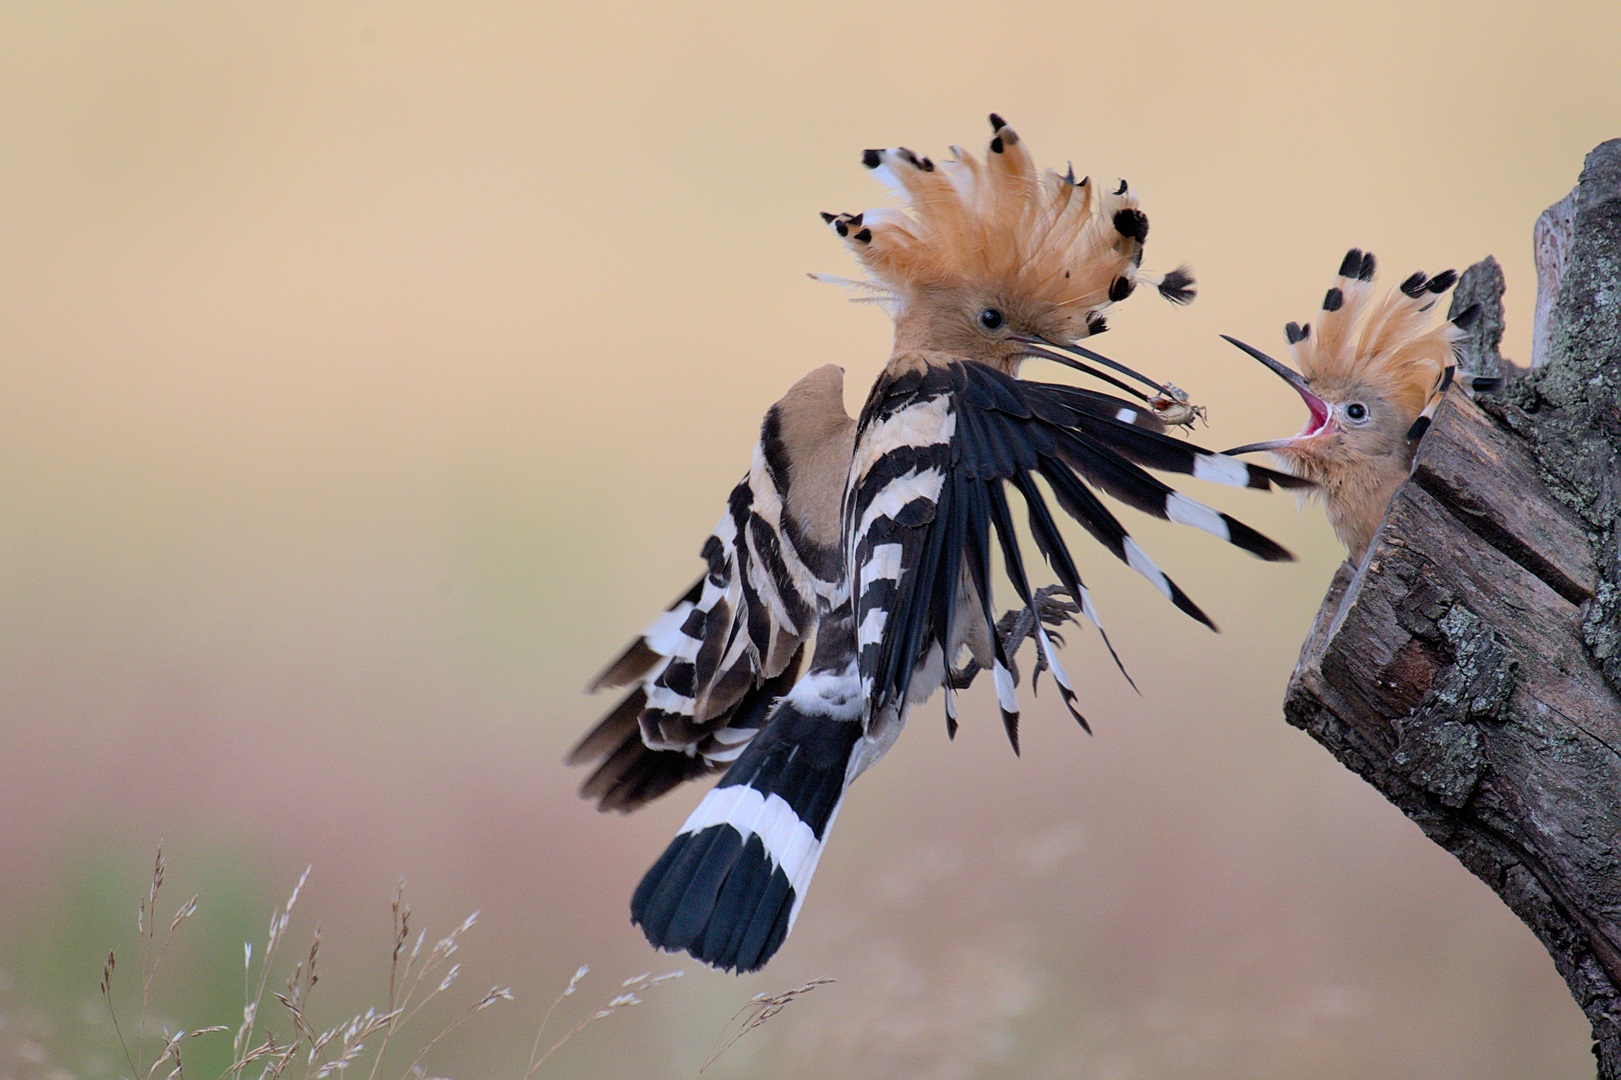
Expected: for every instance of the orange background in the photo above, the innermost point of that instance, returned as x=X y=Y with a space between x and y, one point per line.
x=369 y=373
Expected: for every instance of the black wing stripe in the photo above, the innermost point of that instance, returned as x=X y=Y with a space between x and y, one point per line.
x=611 y=731
x=1050 y=542
x=899 y=463
x=772 y=449
x=767 y=545
x=1145 y=492
x=915 y=620
x=977 y=547
x=956 y=523
x=1080 y=503
x=994 y=446
x=717 y=629
x=630 y=772
x=679 y=677
x=896 y=655
x=1002 y=522
x=1096 y=404
x=1147 y=445
x=1047 y=539
x=637 y=660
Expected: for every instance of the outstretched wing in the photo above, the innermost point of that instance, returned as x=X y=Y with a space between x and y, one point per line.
x=704 y=674
x=937 y=448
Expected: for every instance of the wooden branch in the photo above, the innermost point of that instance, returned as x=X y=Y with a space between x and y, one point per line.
x=1470 y=669
x=1550 y=247
x=1481 y=284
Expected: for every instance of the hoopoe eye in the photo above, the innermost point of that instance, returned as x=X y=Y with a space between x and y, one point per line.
x=1356 y=412
x=990 y=319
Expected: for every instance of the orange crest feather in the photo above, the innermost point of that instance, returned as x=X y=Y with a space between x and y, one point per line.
x=1002 y=226
x=1391 y=345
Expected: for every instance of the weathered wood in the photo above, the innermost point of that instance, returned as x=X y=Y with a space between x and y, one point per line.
x=1482 y=284
x=1488 y=479
x=1470 y=669
x=1550 y=246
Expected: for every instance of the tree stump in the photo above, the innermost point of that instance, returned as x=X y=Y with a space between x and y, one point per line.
x=1470 y=668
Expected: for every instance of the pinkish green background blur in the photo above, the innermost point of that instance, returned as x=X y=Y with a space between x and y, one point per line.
x=369 y=373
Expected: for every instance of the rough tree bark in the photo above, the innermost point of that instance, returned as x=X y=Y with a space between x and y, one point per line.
x=1470 y=668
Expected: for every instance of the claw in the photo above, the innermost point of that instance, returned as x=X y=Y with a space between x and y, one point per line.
x=1055 y=608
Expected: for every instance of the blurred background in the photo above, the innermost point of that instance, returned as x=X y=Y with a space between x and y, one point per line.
x=370 y=373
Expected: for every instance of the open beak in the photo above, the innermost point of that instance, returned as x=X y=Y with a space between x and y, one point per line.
x=1039 y=346
x=1322 y=415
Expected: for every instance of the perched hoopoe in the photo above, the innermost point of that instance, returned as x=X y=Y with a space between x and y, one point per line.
x=874 y=537
x=1371 y=385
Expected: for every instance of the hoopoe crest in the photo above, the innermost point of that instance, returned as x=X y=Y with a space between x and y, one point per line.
x=1371 y=375
x=996 y=245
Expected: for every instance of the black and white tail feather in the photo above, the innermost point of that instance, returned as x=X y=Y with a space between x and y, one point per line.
x=729 y=886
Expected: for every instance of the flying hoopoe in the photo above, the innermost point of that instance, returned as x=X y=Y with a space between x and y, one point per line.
x=874 y=536
x=1371 y=385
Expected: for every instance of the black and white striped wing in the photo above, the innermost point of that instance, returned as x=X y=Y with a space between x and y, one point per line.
x=704 y=674
x=938 y=447
x=700 y=679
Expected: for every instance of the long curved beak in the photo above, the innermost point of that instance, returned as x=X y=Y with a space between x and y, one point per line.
x=1272 y=444
x=1321 y=413
x=1040 y=346
x=1282 y=371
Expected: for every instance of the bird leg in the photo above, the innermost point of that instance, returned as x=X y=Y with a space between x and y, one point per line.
x=1053 y=605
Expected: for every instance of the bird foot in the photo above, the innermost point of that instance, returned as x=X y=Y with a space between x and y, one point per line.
x=1053 y=605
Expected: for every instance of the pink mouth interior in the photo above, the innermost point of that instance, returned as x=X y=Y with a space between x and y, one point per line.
x=1320 y=413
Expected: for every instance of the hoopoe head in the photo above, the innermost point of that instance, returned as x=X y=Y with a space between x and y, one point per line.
x=995 y=254
x=1367 y=375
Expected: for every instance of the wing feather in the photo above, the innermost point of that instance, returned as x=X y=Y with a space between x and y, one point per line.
x=915 y=547
x=703 y=675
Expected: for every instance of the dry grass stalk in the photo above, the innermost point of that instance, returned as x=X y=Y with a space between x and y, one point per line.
x=761 y=1007
x=415 y=978
x=405 y=983
x=637 y=984
x=146 y=928
x=496 y=993
x=250 y=1010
